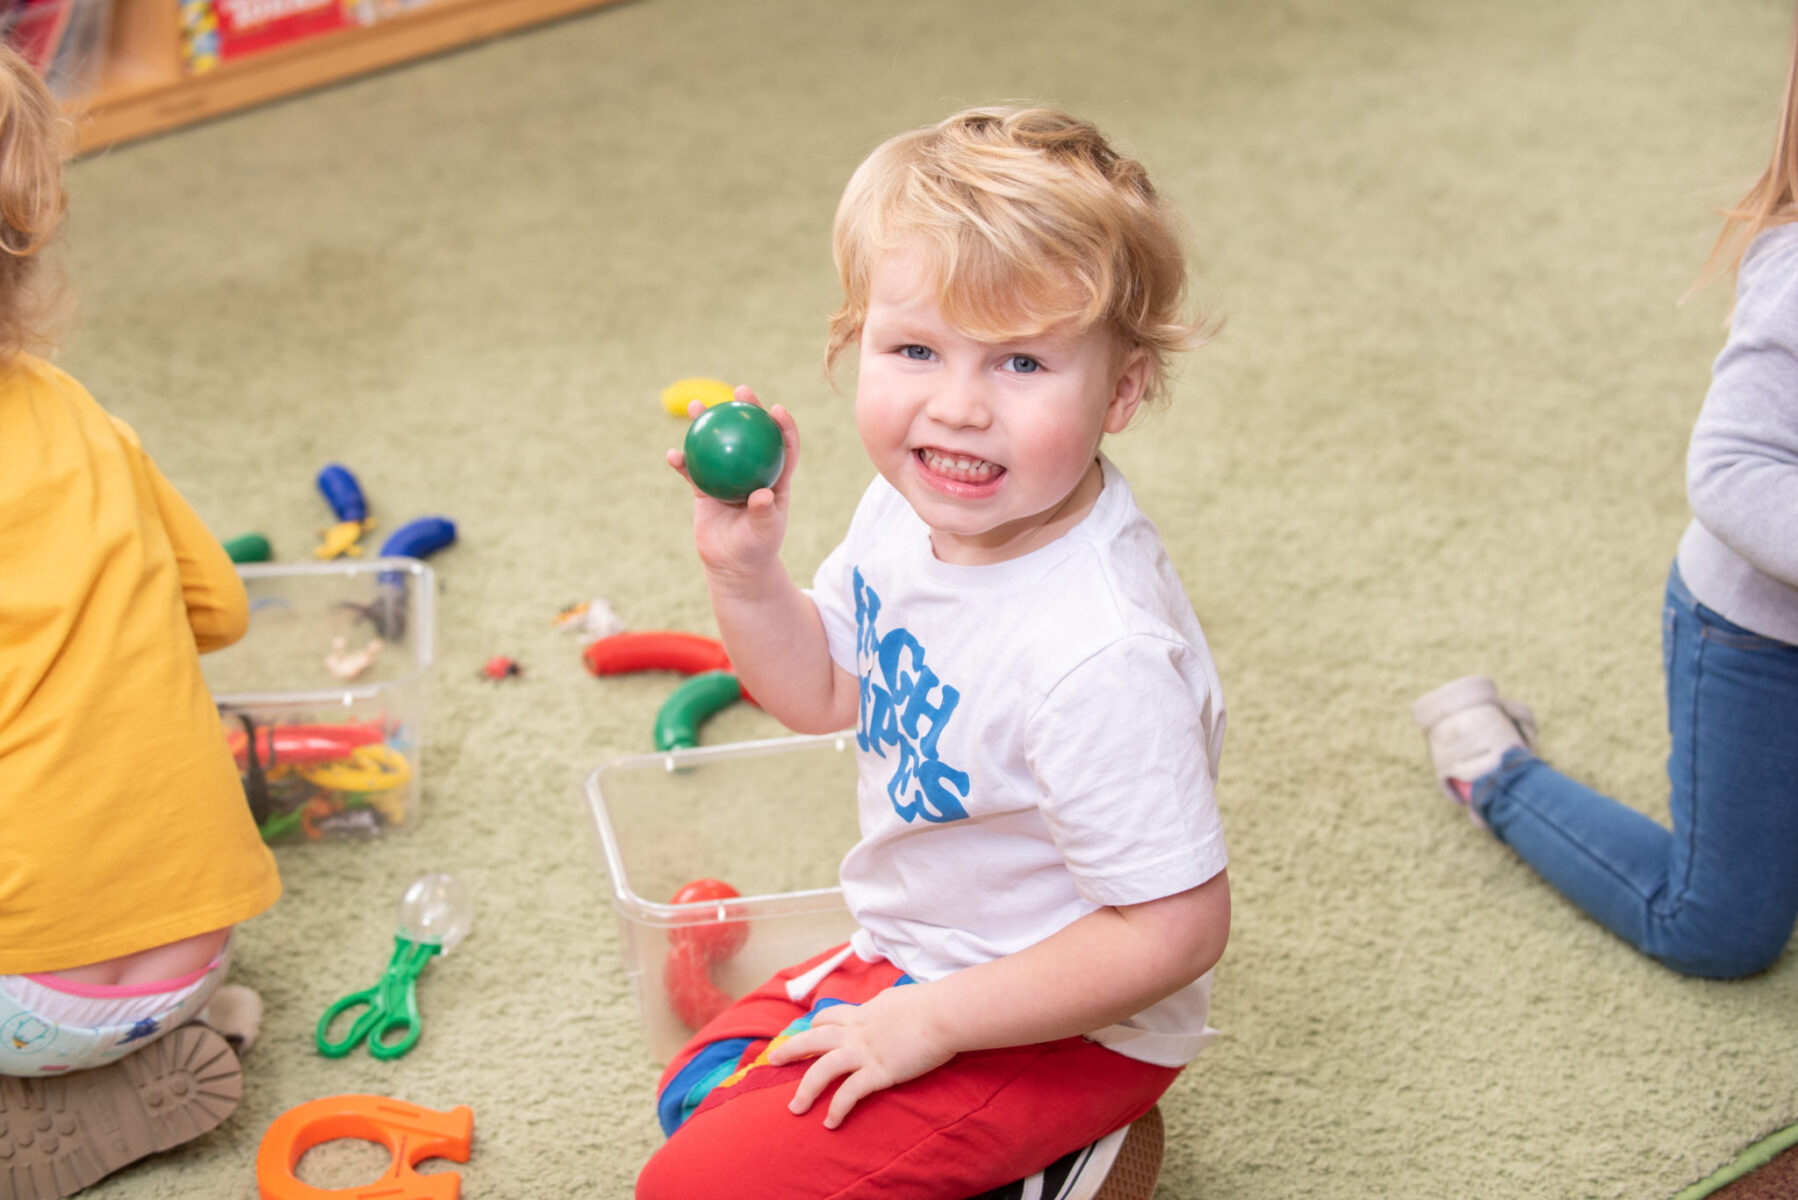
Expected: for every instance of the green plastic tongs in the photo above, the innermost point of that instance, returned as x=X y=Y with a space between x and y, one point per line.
x=435 y=915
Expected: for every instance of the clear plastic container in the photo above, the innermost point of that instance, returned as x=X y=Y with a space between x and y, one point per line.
x=772 y=819
x=323 y=755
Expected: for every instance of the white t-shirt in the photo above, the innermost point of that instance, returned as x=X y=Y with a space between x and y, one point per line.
x=1036 y=739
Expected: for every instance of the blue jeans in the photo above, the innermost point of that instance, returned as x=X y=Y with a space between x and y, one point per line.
x=1718 y=895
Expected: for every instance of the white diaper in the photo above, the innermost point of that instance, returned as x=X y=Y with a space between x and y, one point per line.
x=50 y=1025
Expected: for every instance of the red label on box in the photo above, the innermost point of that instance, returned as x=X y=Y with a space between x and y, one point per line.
x=246 y=26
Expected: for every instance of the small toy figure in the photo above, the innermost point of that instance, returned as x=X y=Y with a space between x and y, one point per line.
x=347 y=664
x=343 y=538
x=501 y=667
x=595 y=618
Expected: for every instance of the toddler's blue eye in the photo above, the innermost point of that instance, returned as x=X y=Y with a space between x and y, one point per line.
x=920 y=353
x=1023 y=364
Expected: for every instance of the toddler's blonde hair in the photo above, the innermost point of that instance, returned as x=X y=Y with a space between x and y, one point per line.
x=34 y=142
x=1030 y=220
x=1773 y=200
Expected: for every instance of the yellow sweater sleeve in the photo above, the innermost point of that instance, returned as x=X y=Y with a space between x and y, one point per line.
x=218 y=611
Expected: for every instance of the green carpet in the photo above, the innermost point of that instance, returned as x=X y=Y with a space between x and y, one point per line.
x=1442 y=432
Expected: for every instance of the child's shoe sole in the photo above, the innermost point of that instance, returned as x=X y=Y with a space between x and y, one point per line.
x=1138 y=1164
x=62 y=1133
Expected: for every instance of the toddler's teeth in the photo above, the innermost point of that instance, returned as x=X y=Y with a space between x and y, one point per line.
x=970 y=470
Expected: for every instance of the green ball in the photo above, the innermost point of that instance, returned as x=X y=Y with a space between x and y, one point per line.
x=734 y=449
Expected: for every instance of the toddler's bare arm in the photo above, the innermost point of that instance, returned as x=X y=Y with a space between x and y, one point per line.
x=770 y=628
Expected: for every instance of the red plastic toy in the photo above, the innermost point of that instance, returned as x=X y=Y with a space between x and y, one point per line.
x=412 y=1134
x=655 y=650
x=692 y=995
x=692 y=951
x=717 y=942
x=501 y=667
x=710 y=685
x=301 y=744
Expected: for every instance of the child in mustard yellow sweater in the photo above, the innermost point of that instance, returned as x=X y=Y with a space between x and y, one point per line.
x=127 y=851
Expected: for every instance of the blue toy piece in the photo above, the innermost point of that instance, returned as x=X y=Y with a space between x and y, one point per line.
x=414 y=539
x=417 y=539
x=342 y=493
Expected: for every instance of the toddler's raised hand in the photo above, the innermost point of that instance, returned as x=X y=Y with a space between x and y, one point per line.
x=870 y=1046
x=743 y=539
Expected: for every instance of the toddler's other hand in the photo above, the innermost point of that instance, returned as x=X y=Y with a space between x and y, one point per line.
x=743 y=538
x=870 y=1046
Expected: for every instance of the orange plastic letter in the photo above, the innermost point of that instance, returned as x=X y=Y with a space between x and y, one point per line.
x=411 y=1133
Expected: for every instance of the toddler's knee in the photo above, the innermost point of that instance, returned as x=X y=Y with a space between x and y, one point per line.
x=651 y=1181
x=676 y=1172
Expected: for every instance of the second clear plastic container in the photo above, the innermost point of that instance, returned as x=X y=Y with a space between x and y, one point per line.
x=771 y=818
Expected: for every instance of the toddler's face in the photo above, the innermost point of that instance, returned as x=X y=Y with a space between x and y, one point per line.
x=994 y=444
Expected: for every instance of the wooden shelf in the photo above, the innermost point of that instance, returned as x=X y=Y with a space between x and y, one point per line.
x=145 y=89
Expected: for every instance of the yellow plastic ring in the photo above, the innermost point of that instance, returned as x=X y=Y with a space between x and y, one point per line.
x=376 y=768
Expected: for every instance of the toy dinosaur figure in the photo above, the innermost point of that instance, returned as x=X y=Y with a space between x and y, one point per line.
x=343 y=538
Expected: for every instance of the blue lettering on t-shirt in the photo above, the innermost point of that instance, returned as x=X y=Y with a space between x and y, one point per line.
x=904 y=707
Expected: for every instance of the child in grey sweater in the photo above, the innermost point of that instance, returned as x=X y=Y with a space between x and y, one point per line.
x=1718 y=894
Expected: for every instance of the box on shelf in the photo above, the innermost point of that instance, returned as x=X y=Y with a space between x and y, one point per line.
x=214 y=31
x=324 y=756
x=772 y=819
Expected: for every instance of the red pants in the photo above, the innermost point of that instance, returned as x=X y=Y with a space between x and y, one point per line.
x=977 y=1122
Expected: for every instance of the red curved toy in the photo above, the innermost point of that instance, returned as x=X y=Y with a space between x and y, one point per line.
x=692 y=949
x=692 y=995
x=655 y=650
x=301 y=744
x=658 y=650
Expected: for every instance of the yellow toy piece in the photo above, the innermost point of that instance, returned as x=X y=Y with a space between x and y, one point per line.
x=682 y=392
x=343 y=538
x=373 y=768
x=391 y=807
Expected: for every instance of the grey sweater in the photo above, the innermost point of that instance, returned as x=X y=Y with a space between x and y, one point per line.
x=1739 y=556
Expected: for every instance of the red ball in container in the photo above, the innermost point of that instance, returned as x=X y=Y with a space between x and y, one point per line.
x=718 y=941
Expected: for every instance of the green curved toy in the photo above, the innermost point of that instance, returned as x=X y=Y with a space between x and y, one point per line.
x=249 y=548
x=691 y=704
